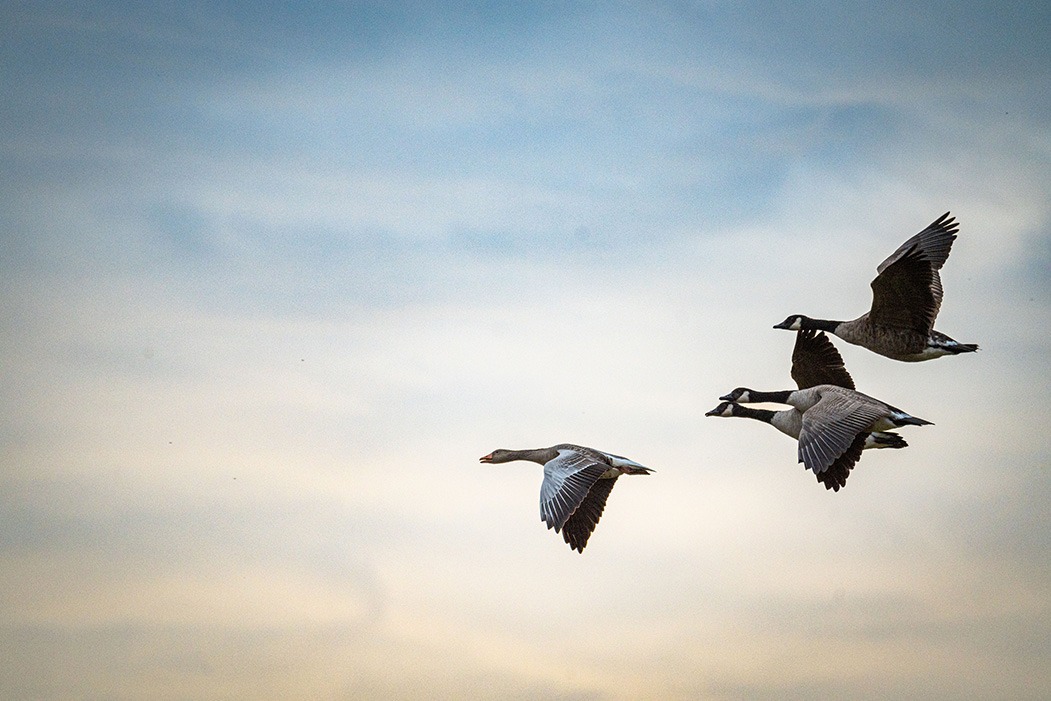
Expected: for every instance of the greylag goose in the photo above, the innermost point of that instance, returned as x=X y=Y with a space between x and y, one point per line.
x=906 y=297
x=815 y=361
x=577 y=481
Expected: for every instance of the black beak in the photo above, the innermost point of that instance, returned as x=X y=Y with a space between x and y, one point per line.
x=782 y=325
x=713 y=412
x=726 y=398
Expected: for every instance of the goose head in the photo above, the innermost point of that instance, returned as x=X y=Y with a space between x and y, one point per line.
x=498 y=455
x=793 y=323
x=741 y=394
x=724 y=409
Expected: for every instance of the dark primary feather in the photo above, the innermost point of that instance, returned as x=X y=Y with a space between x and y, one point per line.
x=815 y=361
x=935 y=242
x=581 y=524
x=836 y=475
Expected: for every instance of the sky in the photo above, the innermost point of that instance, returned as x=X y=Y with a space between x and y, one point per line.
x=273 y=276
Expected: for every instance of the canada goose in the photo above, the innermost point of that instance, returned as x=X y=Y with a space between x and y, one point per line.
x=835 y=420
x=577 y=481
x=790 y=422
x=906 y=297
x=815 y=361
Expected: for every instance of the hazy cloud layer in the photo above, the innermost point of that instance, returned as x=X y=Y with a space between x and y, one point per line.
x=271 y=281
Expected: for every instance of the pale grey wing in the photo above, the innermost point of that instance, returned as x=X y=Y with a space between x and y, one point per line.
x=932 y=246
x=581 y=524
x=831 y=427
x=567 y=481
x=815 y=361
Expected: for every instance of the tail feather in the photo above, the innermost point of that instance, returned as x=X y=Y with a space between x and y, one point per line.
x=950 y=345
x=912 y=421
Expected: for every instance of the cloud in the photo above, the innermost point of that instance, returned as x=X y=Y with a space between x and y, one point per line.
x=272 y=284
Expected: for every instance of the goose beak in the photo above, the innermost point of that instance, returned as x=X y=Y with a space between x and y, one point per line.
x=486 y=458
x=782 y=325
x=726 y=398
x=713 y=412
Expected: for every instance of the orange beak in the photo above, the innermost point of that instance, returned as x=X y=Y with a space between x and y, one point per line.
x=486 y=458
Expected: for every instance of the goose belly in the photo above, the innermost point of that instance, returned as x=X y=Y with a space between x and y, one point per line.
x=931 y=351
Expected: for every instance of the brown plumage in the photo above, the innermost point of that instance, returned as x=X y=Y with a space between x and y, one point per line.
x=906 y=297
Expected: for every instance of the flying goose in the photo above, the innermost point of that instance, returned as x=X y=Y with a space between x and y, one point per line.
x=906 y=297
x=835 y=422
x=815 y=361
x=577 y=481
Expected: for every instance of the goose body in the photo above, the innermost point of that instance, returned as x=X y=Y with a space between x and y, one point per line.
x=577 y=482
x=790 y=423
x=906 y=297
x=815 y=363
x=836 y=421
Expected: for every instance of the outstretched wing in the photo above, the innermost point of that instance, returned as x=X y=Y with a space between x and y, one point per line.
x=836 y=475
x=567 y=480
x=907 y=292
x=831 y=427
x=580 y=525
x=935 y=241
x=815 y=361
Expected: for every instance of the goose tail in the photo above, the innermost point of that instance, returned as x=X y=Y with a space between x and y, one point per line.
x=949 y=346
x=907 y=420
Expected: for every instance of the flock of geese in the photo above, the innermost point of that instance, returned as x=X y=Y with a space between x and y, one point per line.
x=832 y=422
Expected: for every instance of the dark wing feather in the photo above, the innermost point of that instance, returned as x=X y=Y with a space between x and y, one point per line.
x=903 y=295
x=580 y=525
x=935 y=242
x=815 y=361
x=836 y=475
x=907 y=292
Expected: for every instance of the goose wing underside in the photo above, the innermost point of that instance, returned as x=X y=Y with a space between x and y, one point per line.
x=830 y=428
x=568 y=479
x=935 y=242
x=907 y=292
x=907 y=295
x=815 y=361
